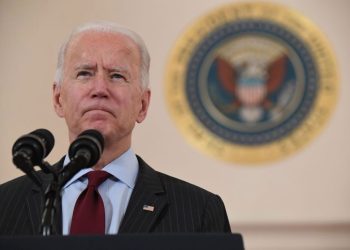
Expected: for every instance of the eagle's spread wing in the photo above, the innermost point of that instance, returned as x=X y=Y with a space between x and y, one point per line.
x=226 y=75
x=276 y=71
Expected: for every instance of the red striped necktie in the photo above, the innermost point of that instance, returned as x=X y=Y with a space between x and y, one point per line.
x=89 y=214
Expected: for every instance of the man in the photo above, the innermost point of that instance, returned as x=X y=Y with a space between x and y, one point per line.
x=102 y=83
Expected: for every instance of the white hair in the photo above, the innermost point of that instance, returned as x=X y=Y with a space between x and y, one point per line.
x=108 y=27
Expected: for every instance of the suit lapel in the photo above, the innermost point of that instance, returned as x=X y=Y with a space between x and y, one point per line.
x=147 y=202
x=34 y=204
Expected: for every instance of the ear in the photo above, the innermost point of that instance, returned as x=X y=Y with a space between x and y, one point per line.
x=56 y=99
x=145 y=100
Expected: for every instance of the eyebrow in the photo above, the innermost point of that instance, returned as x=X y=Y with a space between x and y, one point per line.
x=117 y=69
x=85 y=66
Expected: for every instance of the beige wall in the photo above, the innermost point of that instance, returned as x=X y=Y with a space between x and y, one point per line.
x=306 y=193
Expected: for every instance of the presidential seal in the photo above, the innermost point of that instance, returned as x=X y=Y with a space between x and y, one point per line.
x=251 y=82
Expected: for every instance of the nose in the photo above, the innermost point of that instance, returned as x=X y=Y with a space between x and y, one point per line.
x=100 y=87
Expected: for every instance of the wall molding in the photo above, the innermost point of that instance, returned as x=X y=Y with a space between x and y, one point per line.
x=294 y=236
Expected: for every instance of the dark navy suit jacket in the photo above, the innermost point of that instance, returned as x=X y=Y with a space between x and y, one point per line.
x=178 y=206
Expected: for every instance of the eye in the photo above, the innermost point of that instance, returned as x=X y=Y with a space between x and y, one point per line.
x=83 y=74
x=117 y=76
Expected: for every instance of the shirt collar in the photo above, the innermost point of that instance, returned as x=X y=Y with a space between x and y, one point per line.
x=124 y=168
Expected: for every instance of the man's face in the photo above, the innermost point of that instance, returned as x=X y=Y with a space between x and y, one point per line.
x=101 y=86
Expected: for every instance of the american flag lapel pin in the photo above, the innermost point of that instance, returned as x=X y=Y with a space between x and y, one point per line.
x=148 y=208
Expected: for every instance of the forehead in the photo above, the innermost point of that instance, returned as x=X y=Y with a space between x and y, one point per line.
x=106 y=45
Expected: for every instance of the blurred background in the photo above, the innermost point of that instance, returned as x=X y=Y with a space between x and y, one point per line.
x=299 y=202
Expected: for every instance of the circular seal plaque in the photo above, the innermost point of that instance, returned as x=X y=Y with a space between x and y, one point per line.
x=251 y=82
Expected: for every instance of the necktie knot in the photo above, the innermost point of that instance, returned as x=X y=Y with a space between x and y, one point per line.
x=96 y=178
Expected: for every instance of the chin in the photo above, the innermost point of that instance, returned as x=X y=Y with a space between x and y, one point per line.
x=100 y=127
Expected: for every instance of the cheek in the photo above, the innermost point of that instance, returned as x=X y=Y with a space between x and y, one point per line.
x=127 y=99
x=69 y=103
x=135 y=102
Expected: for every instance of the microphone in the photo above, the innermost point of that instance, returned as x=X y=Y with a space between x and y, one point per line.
x=84 y=152
x=29 y=150
x=88 y=147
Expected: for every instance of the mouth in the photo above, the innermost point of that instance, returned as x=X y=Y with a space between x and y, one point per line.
x=98 y=110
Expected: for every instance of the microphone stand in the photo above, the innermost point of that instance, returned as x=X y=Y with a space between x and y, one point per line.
x=23 y=162
x=73 y=167
x=53 y=191
x=51 y=205
x=48 y=222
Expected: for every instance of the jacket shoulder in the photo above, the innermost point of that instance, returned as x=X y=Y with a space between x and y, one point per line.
x=173 y=184
x=197 y=209
x=15 y=185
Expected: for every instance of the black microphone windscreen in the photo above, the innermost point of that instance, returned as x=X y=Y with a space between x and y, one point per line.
x=36 y=145
x=47 y=138
x=93 y=133
x=90 y=141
